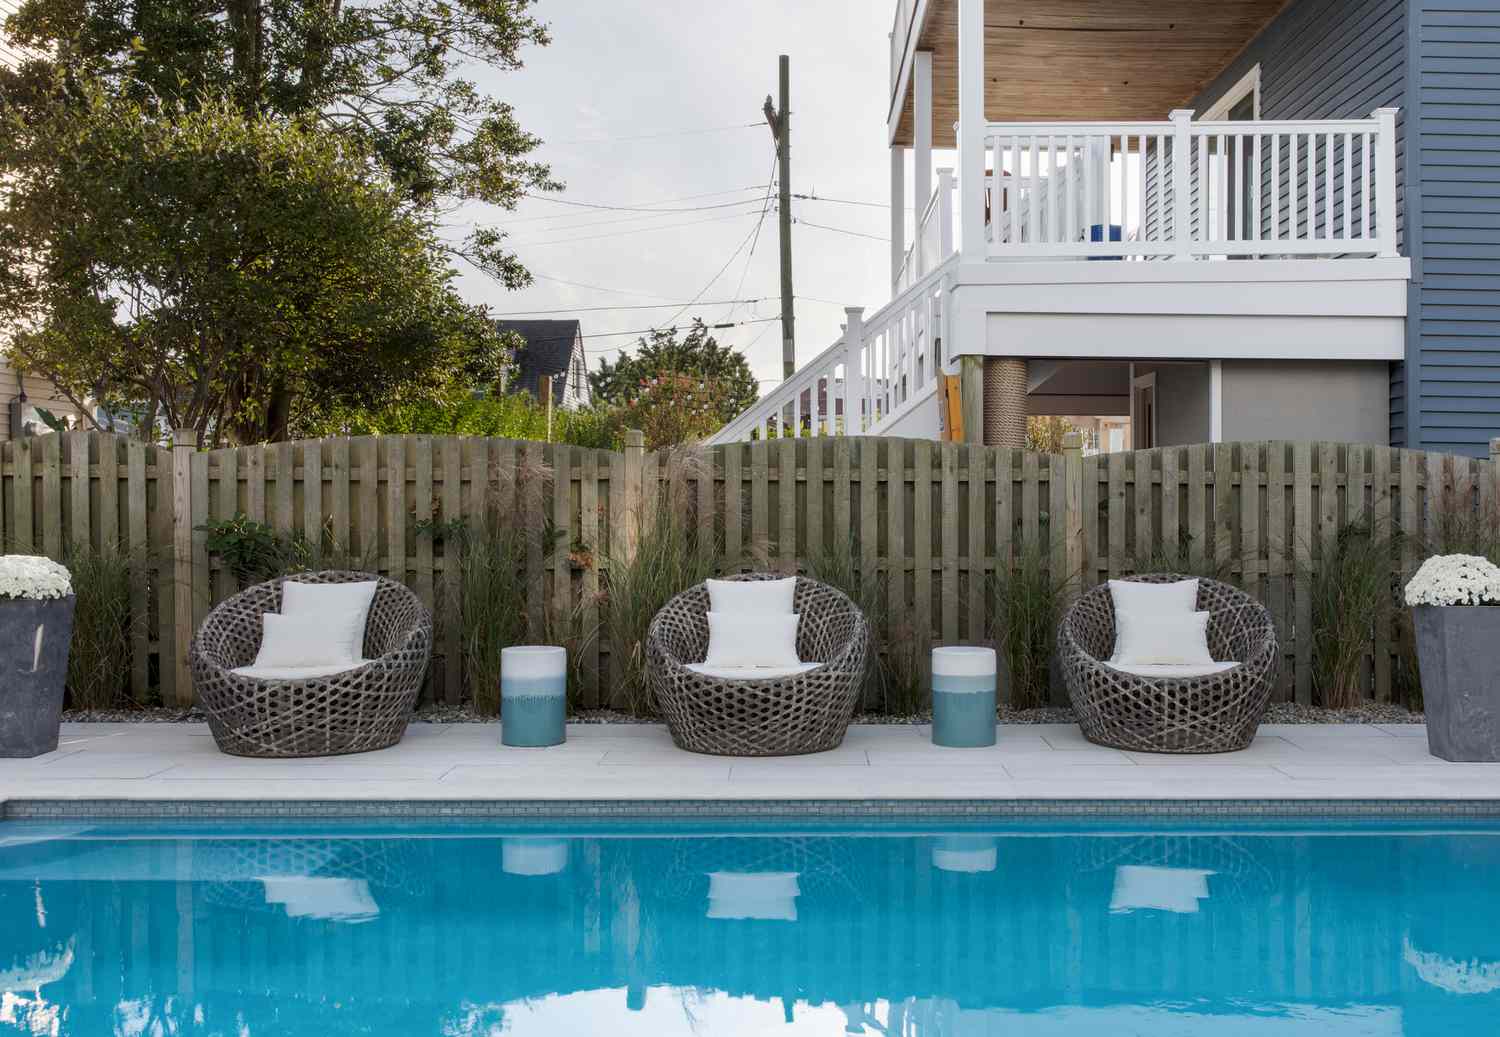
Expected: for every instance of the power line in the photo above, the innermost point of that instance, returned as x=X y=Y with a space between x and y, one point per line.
x=841 y=230
x=635 y=230
x=765 y=208
x=595 y=287
x=842 y=201
x=629 y=208
x=653 y=136
x=659 y=201
x=649 y=331
x=754 y=232
x=600 y=309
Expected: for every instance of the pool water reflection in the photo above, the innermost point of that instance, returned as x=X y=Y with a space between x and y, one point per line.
x=471 y=930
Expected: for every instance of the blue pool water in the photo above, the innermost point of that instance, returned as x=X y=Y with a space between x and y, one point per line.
x=479 y=929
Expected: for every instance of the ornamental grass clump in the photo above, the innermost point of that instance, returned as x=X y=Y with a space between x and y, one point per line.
x=1028 y=605
x=1349 y=592
x=1455 y=580
x=893 y=666
x=671 y=554
x=104 y=628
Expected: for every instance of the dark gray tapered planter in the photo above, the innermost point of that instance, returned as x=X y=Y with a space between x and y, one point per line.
x=1458 y=650
x=34 y=639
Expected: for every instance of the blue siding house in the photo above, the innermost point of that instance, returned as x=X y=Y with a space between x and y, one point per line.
x=1236 y=220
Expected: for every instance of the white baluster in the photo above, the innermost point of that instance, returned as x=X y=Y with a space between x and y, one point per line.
x=1275 y=186
x=1348 y=184
x=1364 y=187
x=1292 y=201
x=1255 y=178
x=1328 y=186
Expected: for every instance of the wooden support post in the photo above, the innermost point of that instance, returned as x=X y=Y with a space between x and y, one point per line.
x=1071 y=527
x=971 y=397
x=635 y=503
x=184 y=446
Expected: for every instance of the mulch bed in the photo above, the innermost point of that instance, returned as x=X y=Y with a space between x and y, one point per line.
x=1279 y=713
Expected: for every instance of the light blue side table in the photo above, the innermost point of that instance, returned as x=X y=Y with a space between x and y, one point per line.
x=963 y=697
x=533 y=695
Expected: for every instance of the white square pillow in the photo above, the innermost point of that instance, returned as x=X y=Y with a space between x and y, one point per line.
x=1154 y=599
x=751 y=595
x=298 y=642
x=341 y=609
x=752 y=639
x=1179 y=639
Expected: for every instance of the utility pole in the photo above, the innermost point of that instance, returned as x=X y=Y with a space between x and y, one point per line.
x=781 y=130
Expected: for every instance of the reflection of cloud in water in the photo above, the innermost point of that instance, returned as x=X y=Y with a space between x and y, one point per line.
x=331 y=900
x=38 y=969
x=533 y=856
x=968 y=855
x=1456 y=977
x=1148 y=888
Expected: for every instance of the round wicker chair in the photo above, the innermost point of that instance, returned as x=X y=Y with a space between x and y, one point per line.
x=1213 y=714
x=781 y=716
x=351 y=712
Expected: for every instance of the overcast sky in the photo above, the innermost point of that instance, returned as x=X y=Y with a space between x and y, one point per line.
x=642 y=68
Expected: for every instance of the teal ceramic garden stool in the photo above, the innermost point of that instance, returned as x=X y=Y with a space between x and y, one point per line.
x=533 y=695
x=963 y=697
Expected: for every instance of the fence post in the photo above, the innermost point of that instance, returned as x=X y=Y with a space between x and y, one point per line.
x=184 y=445
x=854 y=382
x=1182 y=164
x=1385 y=180
x=1072 y=518
x=1492 y=488
x=635 y=477
x=971 y=396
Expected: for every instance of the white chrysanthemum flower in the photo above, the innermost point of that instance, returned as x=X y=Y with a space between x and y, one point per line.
x=1455 y=580
x=34 y=577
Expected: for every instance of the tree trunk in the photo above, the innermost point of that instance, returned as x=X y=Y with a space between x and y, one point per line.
x=278 y=415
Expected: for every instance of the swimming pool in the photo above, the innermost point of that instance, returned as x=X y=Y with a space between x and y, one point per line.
x=471 y=929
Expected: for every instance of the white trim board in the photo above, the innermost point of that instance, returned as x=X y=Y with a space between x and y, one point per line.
x=1246 y=85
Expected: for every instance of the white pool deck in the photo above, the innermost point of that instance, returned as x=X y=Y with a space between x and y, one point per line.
x=639 y=762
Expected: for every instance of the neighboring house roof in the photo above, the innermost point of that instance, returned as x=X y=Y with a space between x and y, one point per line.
x=554 y=349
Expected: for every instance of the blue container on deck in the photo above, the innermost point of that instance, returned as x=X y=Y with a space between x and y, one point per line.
x=1096 y=233
x=533 y=695
x=963 y=697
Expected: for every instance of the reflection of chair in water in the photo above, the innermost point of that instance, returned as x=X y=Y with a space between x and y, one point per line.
x=328 y=900
x=242 y=873
x=768 y=896
x=1146 y=887
x=1239 y=872
x=824 y=867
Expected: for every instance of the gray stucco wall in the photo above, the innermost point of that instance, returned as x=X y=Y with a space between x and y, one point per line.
x=1181 y=402
x=1276 y=399
x=1332 y=59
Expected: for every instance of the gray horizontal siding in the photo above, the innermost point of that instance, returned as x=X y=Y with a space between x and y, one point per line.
x=1456 y=314
x=1333 y=59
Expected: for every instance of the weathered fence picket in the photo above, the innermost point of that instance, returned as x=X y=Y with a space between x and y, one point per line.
x=927 y=526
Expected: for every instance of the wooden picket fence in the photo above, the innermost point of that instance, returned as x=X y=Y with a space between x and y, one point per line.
x=931 y=523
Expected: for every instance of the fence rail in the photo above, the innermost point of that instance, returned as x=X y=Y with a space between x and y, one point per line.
x=930 y=523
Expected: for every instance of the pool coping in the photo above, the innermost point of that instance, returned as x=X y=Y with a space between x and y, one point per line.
x=36 y=809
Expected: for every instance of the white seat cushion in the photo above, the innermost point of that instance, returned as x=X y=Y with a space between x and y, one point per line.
x=340 y=610
x=1170 y=670
x=296 y=673
x=1173 y=638
x=751 y=673
x=752 y=639
x=737 y=596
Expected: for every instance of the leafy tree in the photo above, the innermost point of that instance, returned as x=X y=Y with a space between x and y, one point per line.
x=1046 y=433
x=264 y=228
x=386 y=75
x=693 y=371
x=220 y=269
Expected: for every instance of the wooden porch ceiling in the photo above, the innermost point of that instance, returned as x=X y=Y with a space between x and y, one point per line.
x=1093 y=60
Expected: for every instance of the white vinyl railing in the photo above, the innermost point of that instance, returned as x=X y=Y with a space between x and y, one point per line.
x=877 y=370
x=933 y=242
x=1186 y=190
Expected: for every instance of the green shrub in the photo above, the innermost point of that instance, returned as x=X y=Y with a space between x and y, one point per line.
x=1348 y=591
x=99 y=659
x=669 y=558
x=491 y=589
x=1028 y=605
x=254 y=551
